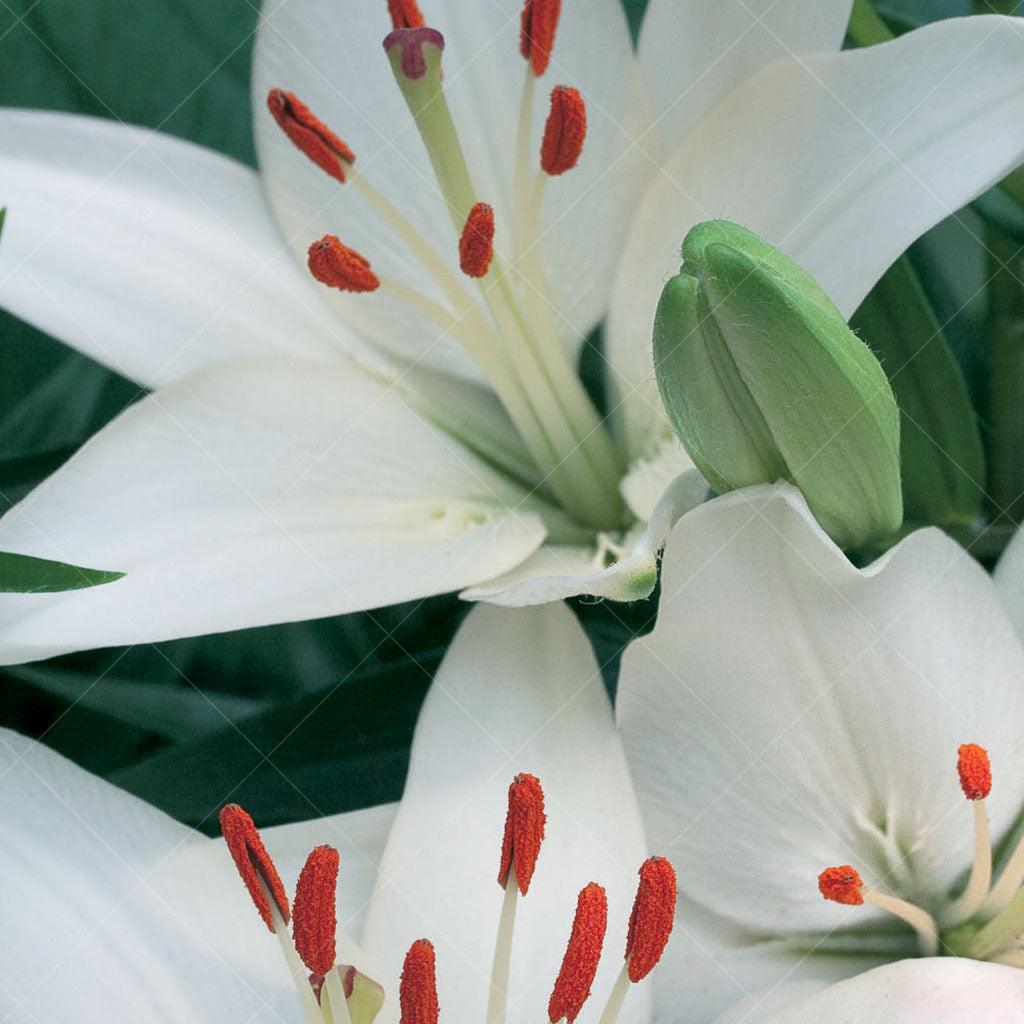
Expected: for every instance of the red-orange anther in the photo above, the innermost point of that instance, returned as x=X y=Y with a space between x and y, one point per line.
x=405 y=14
x=524 y=830
x=841 y=885
x=564 y=131
x=417 y=991
x=310 y=134
x=314 y=910
x=975 y=771
x=572 y=987
x=253 y=863
x=650 y=923
x=476 y=246
x=537 y=29
x=338 y=266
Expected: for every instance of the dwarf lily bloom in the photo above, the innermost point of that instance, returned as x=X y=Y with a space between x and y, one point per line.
x=852 y=734
x=364 y=356
x=468 y=894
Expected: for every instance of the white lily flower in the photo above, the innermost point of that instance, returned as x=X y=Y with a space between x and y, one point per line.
x=797 y=728
x=308 y=452
x=115 y=912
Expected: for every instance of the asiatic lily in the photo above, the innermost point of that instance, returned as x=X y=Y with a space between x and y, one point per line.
x=118 y=913
x=799 y=728
x=308 y=451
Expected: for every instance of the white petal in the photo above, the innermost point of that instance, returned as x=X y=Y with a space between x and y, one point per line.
x=517 y=691
x=1009 y=577
x=648 y=479
x=557 y=572
x=841 y=160
x=329 y=53
x=695 y=53
x=790 y=712
x=116 y=912
x=710 y=964
x=150 y=254
x=940 y=990
x=255 y=492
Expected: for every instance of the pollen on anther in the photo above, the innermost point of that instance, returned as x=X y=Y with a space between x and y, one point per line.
x=417 y=990
x=572 y=987
x=975 y=771
x=564 y=132
x=537 y=27
x=841 y=884
x=650 y=923
x=524 y=830
x=338 y=266
x=309 y=134
x=405 y=14
x=476 y=246
x=314 y=915
x=253 y=863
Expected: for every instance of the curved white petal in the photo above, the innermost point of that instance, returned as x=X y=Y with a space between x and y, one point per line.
x=517 y=691
x=647 y=479
x=254 y=492
x=557 y=572
x=710 y=964
x=841 y=160
x=790 y=712
x=150 y=254
x=1009 y=578
x=116 y=912
x=940 y=990
x=694 y=53
x=329 y=53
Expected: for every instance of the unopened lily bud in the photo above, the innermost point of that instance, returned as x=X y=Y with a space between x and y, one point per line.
x=763 y=381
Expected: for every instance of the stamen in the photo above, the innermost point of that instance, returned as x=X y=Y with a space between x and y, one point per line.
x=524 y=830
x=405 y=14
x=650 y=923
x=564 y=131
x=338 y=266
x=254 y=863
x=310 y=134
x=538 y=26
x=314 y=919
x=572 y=987
x=841 y=885
x=417 y=992
x=476 y=246
x=1003 y=933
x=844 y=885
x=975 y=771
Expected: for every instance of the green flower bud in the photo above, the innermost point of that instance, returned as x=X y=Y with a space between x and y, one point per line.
x=763 y=380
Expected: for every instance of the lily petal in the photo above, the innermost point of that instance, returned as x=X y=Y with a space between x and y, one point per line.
x=253 y=492
x=937 y=990
x=783 y=693
x=517 y=691
x=152 y=255
x=117 y=912
x=330 y=55
x=693 y=54
x=840 y=160
x=1009 y=579
x=557 y=572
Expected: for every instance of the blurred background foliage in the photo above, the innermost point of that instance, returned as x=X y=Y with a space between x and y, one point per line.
x=307 y=719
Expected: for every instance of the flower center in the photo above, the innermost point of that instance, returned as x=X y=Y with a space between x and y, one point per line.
x=501 y=311
x=986 y=921
x=333 y=993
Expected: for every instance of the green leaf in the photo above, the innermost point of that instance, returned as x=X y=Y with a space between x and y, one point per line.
x=23 y=574
x=943 y=463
